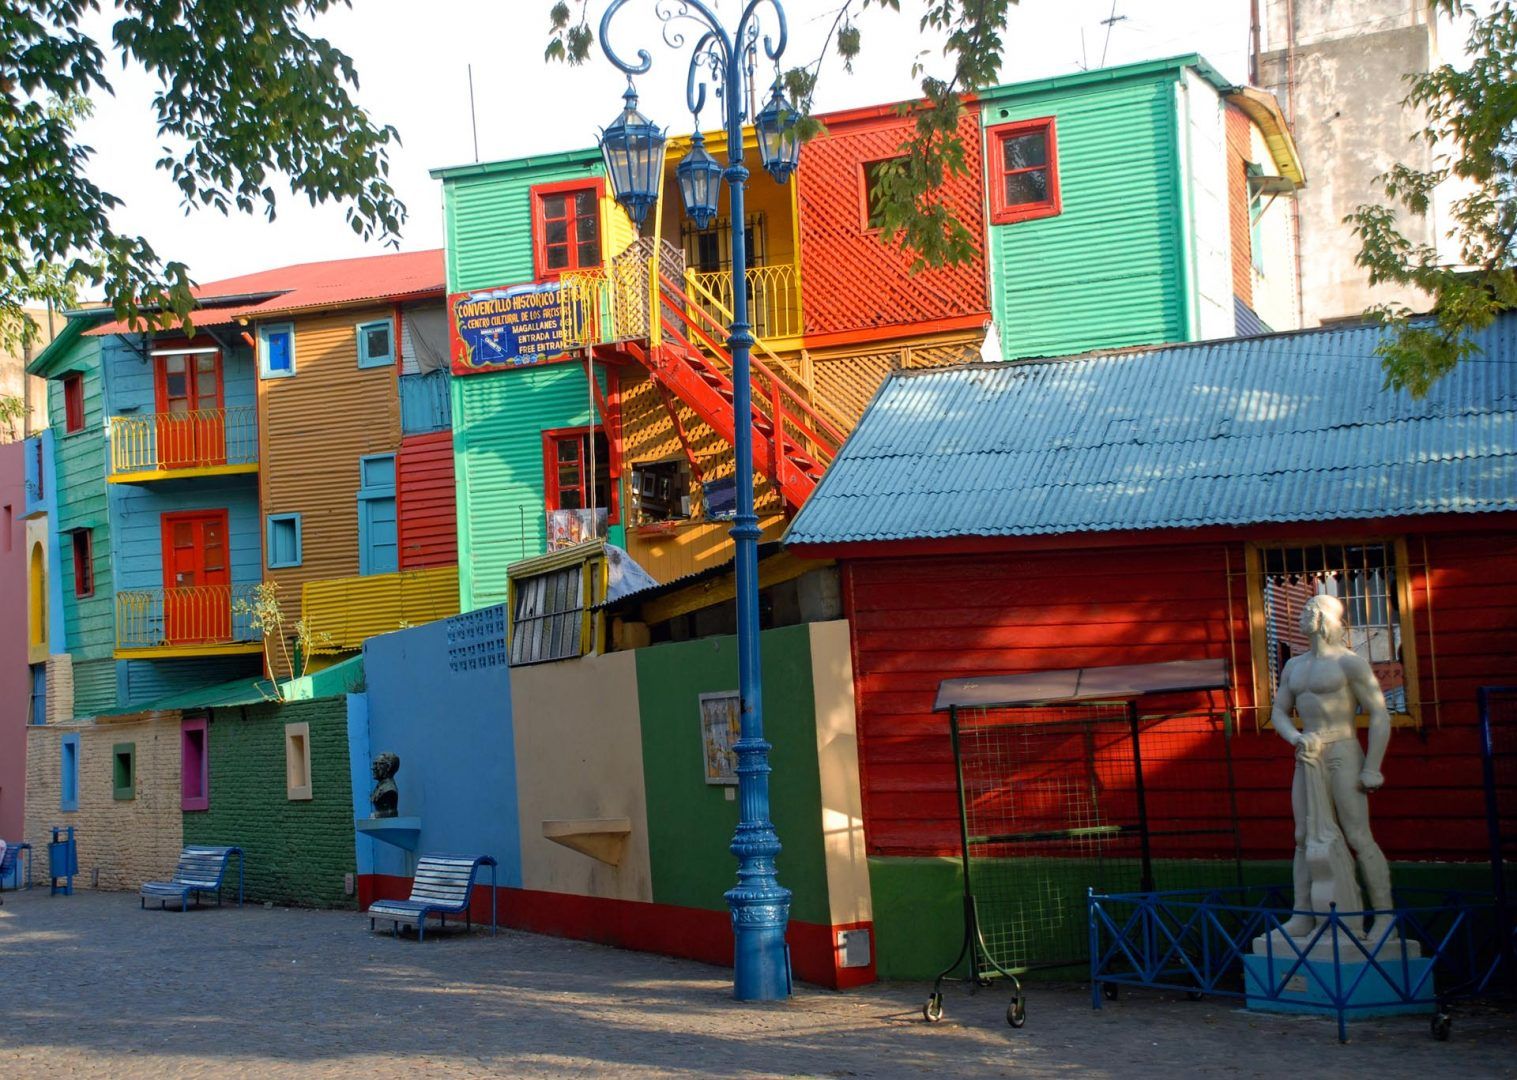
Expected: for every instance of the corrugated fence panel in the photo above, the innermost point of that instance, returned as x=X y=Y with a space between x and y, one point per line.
x=1105 y=271
x=852 y=281
x=315 y=427
x=425 y=501
x=352 y=609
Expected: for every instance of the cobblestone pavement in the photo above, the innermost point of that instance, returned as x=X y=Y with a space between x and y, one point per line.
x=91 y=985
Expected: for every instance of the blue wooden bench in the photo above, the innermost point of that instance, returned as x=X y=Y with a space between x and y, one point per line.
x=10 y=865
x=441 y=887
x=201 y=869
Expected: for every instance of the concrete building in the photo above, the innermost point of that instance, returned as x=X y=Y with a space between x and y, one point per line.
x=15 y=382
x=1338 y=68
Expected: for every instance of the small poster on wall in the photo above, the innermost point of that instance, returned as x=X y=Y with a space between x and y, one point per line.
x=721 y=727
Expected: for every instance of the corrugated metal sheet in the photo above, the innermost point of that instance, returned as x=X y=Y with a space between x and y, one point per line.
x=425 y=501
x=352 y=609
x=94 y=686
x=142 y=683
x=489 y=223
x=313 y=428
x=1291 y=427
x=1104 y=272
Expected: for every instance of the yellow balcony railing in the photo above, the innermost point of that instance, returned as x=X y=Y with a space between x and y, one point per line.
x=344 y=612
x=774 y=296
x=204 y=440
x=191 y=619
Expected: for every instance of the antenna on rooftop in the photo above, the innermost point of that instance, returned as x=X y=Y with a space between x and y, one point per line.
x=473 y=123
x=1108 y=22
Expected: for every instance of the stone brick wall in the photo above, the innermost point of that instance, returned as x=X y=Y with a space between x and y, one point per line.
x=297 y=852
x=127 y=841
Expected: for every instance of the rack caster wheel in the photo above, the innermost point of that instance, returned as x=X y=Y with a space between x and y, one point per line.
x=1442 y=1024
x=1195 y=995
x=932 y=1012
x=1109 y=991
x=1016 y=1012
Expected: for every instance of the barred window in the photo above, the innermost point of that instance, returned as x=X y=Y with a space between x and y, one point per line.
x=548 y=616
x=1364 y=577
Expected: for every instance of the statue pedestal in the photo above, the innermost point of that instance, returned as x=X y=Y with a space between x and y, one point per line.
x=403 y=832
x=1318 y=985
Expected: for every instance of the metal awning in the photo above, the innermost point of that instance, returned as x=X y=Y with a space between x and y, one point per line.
x=1082 y=684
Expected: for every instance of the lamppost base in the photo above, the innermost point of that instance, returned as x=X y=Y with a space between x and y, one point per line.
x=761 y=958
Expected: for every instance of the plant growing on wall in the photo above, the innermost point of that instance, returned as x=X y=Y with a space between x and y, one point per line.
x=1471 y=119
x=12 y=411
x=266 y=615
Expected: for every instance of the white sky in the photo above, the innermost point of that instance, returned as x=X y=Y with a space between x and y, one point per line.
x=413 y=62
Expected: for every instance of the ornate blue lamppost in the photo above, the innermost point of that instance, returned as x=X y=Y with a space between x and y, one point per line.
x=760 y=905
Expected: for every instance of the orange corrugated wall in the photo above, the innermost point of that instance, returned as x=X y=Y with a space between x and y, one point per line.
x=425 y=504
x=849 y=280
x=1239 y=150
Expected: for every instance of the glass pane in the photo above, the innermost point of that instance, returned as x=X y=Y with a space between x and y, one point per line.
x=278 y=358
x=174 y=364
x=1025 y=151
x=568 y=450
x=589 y=253
x=554 y=206
x=205 y=362
x=1027 y=187
x=558 y=258
x=584 y=204
x=587 y=228
x=377 y=342
x=179 y=407
x=569 y=499
x=557 y=232
x=177 y=386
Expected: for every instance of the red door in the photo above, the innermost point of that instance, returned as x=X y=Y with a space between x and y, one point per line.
x=191 y=425
x=197 y=582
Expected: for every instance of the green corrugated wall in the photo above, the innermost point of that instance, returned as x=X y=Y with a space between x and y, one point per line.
x=489 y=223
x=498 y=421
x=89 y=624
x=1106 y=271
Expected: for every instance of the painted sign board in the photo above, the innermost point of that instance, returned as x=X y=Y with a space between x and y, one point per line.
x=513 y=326
x=721 y=727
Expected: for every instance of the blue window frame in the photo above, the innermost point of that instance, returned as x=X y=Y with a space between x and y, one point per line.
x=276 y=351
x=376 y=343
x=68 y=778
x=378 y=538
x=283 y=541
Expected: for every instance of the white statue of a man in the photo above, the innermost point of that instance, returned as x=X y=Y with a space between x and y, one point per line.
x=1327 y=686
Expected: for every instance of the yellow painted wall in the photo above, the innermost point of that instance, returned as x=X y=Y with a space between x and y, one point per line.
x=350 y=610
x=36 y=591
x=578 y=736
x=837 y=752
x=312 y=429
x=131 y=841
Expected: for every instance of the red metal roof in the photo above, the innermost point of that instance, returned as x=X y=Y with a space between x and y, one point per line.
x=335 y=283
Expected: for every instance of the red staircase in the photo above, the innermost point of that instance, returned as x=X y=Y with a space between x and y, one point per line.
x=793 y=443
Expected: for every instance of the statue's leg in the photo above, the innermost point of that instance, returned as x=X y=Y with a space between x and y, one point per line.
x=1300 y=924
x=1353 y=809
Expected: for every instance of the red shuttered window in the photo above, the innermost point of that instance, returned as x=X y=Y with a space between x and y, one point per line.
x=73 y=404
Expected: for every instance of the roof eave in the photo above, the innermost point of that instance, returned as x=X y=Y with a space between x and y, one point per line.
x=1261 y=107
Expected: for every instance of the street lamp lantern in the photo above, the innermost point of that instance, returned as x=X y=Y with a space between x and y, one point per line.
x=700 y=181
x=633 y=148
x=778 y=125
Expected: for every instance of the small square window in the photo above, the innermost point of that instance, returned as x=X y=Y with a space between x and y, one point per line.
x=73 y=404
x=84 y=563
x=276 y=351
x=376 y=343
x=297 y=761
x=284 y=541
x=124 y=771
x=1024 y=171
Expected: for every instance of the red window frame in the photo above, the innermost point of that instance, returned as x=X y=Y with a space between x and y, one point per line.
x=83 y=544
x=1002 y=212
x=552 y=438
x=162 y=400
x=866 y=212
x=73 y=404
x=539 y=193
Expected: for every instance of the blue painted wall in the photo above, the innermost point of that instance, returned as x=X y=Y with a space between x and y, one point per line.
x=129 y=377
x=443 y=703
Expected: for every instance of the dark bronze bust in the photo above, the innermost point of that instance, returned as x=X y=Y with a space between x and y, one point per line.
x=386 y=796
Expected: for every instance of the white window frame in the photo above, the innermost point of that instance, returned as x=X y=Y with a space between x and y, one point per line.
x=264 y=372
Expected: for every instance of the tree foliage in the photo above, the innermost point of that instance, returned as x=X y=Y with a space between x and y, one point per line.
x=907 y=200
x=1471 y=127
x=245 y=95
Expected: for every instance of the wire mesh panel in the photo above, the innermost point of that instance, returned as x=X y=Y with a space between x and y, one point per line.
x=1059 y=800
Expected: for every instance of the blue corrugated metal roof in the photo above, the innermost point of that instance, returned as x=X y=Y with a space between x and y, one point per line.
x=1284 y=427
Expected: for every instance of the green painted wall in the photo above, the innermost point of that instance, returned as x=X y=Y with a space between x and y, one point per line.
x=498 y=424
x=918 y=903
x=690 y=823
x=1106 y=271
x=489 y=220
x=88 y=624
x=297 y=852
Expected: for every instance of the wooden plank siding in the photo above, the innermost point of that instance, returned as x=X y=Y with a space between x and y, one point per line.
x=918 y=620
x=424 y=501
x=852 y=281
x=312 y=428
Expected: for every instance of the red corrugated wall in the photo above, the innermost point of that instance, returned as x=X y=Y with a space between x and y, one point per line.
x=425 y=506
x=919 y=620
x=849 y=280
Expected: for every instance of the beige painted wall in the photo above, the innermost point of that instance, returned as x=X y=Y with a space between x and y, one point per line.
x=837 y=752
x=579 y=754
x=131 y=841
